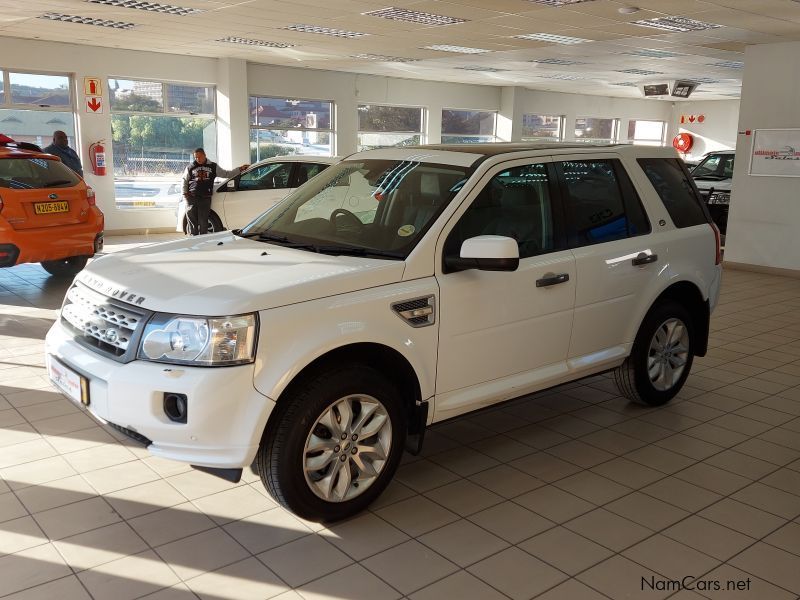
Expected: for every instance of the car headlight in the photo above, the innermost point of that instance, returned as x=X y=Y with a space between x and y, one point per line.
x=719 y=198
x=211 y=342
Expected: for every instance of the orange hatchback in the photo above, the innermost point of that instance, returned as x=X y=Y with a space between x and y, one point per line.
x=47 y=212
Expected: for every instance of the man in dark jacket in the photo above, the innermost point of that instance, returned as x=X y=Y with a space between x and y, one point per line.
x=60 y=147
x=198 y=185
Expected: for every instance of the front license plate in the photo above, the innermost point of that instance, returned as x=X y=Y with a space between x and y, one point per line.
x=73 y=385
x=46 y=208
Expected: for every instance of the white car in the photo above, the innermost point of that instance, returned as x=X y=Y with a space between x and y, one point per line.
x=399 y=288
x=239 y=200
x=149 y=193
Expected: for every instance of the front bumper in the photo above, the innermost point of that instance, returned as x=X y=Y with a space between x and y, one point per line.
x=226 y=414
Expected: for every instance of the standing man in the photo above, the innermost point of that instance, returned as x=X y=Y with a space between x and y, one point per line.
x=60 y=147
x=198 y=185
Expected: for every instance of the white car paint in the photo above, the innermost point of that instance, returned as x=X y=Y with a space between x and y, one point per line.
x=237 y=207
x=520 y=339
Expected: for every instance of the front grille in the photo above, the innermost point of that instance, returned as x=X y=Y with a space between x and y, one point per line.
x=131 y=434
x=107 y=326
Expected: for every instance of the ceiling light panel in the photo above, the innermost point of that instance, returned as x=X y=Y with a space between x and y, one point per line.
x=384 y=58
x=625 y=84
x=702 y=80
x=653 y=54
x=87 y=21
x=325 y=31
x=562 y=76
x=680 y=24
x=640 y=72
x=169 y=9
x=557 y=61
x=482 y=69
x=549 y=37
x=457 y=49
x=413 y=16
x=559 y=2
x=252 y=42
x=729 y=64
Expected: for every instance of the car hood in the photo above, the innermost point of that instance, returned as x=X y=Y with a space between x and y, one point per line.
x=719 y=185
x=221 y=274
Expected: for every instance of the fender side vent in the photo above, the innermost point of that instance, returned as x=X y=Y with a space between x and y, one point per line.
x=419 y=312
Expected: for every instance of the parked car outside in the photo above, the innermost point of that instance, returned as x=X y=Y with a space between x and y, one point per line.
x=398 y=288
x=47 y=212
x=714 y=178
x=239 y=200
x=152 y=193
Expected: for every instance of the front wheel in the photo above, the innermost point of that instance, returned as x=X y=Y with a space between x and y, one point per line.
x=661 y=357
x=334 y=443
x=66 y=267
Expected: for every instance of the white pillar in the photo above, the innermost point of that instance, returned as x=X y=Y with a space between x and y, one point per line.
x=509 y=119
x=233 y=113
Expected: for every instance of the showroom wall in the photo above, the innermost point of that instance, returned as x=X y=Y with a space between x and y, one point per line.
x=716 y=132
x=765 y=211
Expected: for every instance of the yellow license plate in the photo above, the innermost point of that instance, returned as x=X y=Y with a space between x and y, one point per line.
x=46 y=208
x=144 y=203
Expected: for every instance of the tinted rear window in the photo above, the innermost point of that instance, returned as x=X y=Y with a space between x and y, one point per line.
x=676 y=189
x=32 y=173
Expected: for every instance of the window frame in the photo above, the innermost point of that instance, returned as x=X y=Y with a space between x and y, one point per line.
x=331 y=131
x=562 y=128
x=615 y=130
x=495 y=113
x=165 y=99
x=628 y=194
x=8 y=104
x=662 y=141
x=423 y=132
x=277 y=164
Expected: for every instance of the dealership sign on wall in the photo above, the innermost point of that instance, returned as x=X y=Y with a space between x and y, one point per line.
x=776 y=153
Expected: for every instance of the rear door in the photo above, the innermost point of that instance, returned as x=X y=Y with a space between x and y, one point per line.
x=39 y=192
x=256 y=190
x=616 y=257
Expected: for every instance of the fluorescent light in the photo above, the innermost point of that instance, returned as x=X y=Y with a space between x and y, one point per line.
x=561 y=2
x=384 y=58
x=480 y=68
x=625 y=84
x=169 y=9
x=640 y=72
x=557 y=61
x=87 y=21
x=653 y=53
x=413 y=16
x=459 y=49
x=731 y=64
x=562 y=76
x=549 y=37
x=252 y=42
x=325 y=31
x=702 y=80
x=671 y=23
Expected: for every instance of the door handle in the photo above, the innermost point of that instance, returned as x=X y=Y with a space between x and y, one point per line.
x=644 y=259
x=551 y=279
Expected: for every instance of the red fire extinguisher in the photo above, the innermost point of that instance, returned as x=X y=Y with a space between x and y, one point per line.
x=97 y=156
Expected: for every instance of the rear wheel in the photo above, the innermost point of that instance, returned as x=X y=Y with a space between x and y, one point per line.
x=214 y=224
x=661 y=357
x=66 y=267
x=334 y=443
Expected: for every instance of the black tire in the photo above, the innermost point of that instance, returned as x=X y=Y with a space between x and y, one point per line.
x=632 y=377
x=280 y=458
x=214 y=224
x=66 y=267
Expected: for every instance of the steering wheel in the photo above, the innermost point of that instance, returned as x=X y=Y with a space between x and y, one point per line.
x=354 y=223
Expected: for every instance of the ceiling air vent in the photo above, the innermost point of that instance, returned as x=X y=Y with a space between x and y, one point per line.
x=419 y=312
x=169 y=9
x=87 y=21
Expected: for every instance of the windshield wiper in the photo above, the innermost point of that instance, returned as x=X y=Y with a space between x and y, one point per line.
x=282 y=240
x=59 y=182
x=238 y=233
x=358 y=251
x=711 y=176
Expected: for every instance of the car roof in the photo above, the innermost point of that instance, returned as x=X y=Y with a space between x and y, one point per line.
x=719 y=152
x=8 y=150
x=304 y=158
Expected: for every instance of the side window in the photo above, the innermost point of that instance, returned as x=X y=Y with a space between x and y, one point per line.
x=601 y=202
x=273 y=176
x=306 y=171
x=516 y=203
x=676 y=190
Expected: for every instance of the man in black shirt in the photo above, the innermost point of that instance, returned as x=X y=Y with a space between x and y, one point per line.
x=60 y=147
x=198 y=185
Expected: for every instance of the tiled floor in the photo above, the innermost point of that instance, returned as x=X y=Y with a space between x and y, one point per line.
x=570 y=494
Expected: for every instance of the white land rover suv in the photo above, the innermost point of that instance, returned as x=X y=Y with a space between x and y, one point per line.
x=398 y=288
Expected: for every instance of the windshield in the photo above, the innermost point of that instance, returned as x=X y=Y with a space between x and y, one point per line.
x=715 y=166
x=31 y=173
x=367 y=207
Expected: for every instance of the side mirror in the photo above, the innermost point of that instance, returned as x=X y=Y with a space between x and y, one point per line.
x=486 y=253
x=231 y=185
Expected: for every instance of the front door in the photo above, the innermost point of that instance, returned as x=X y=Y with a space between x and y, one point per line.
x=503 y=334
x=257 y=189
